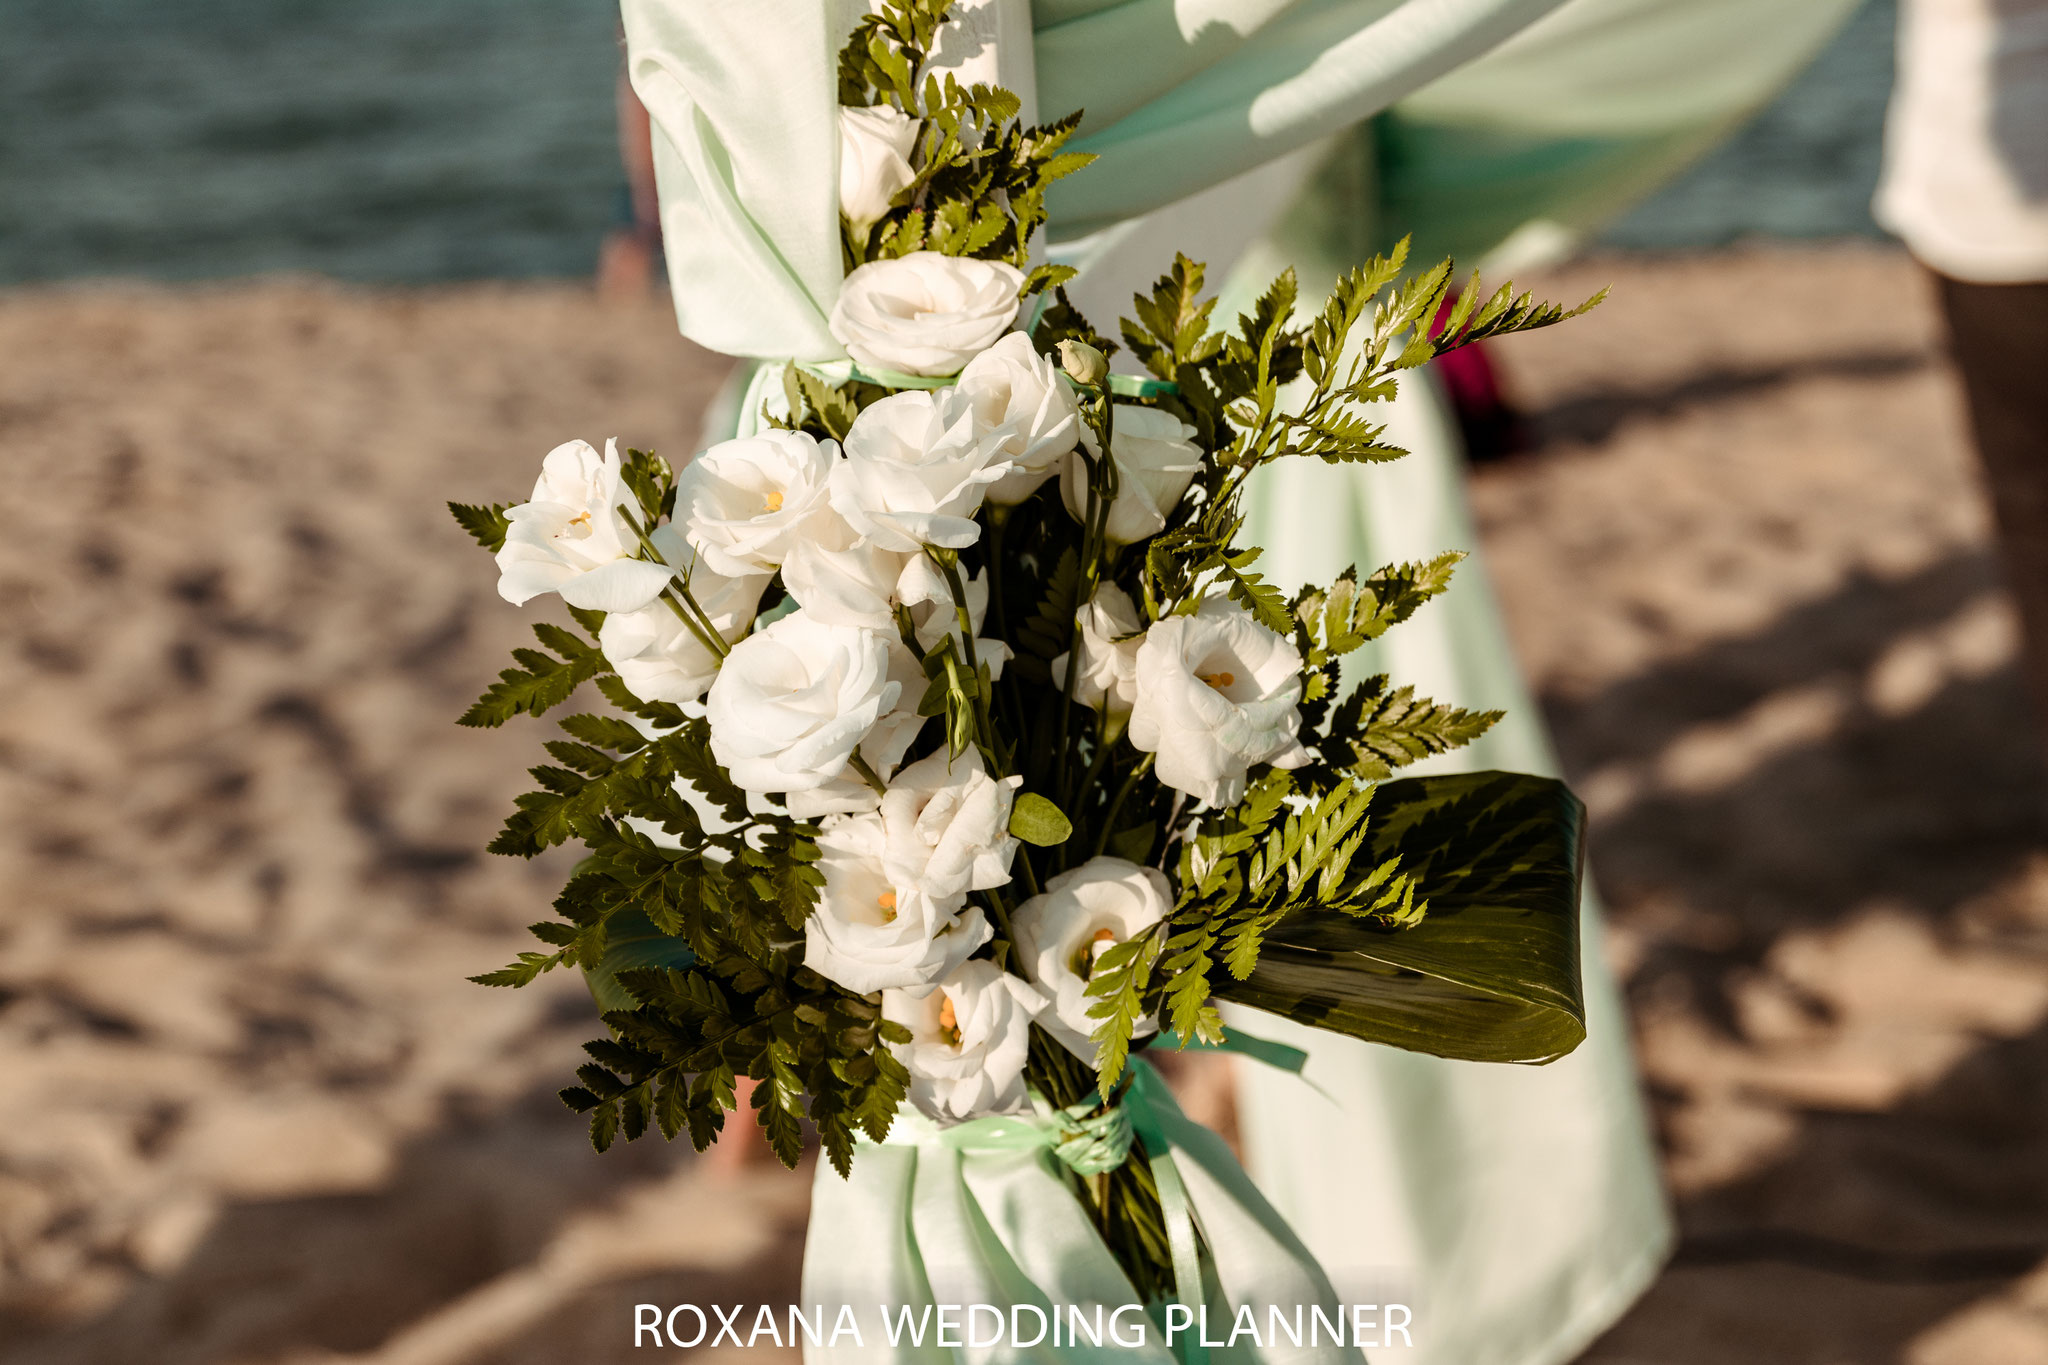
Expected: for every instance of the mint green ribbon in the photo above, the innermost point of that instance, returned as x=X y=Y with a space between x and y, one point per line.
x=1173 y=1204
x=1280 y=1056
x=1088 y=1138
x=1091 y=1139
x=838 y=372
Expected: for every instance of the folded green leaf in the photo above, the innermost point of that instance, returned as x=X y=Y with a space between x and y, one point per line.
x=631 y=942
x=1491 y=973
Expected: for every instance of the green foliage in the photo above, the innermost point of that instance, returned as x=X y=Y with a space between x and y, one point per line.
x=686 y=941
x=652 y=481
x=542 y=680
x=674 y=1059
x=1378 y=729
x=1045 y=634
x=981 y=175
x=486 y=525
x=886 y=51
x=1119 y=987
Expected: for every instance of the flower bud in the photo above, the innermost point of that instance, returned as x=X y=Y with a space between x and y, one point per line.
x=1086 y=365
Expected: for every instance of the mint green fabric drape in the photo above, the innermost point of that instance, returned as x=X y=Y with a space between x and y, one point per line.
x=1182 y=94
x=1575 y=119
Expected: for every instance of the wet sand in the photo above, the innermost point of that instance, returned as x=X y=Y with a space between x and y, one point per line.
x=250 y=1111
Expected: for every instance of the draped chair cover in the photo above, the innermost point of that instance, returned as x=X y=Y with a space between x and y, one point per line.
x=1518 y=1210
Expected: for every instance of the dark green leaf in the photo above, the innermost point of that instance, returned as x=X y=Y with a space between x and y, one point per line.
x=1492 y=972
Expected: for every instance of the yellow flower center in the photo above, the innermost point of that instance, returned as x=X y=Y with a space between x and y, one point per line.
x=1220 y=679
x=949 y=1022
x=887 y=902
x=1084 y=959
x=774 y=500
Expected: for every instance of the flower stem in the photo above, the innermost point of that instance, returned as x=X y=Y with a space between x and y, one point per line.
x=1001 y=911
x=1122 y=794
x=1105 y=744
x=692 y=615
x=984 y=723
x=707 y=638
x=998 y=523
x=1094 y=529
x=867 y=773
x=1031 y=882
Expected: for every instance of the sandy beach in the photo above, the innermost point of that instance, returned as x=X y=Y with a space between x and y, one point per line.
x=251 y=1112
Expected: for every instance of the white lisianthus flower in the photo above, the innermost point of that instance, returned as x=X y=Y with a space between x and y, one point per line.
x=946 y=826
x=744 y=504
x=844 y=579
x=1109 y=661
x=968 y=1041
x=655 y=654
x=570 y=538
x=874 y=159
x=1019 y=398
x=1085 y=912
x=1156 y=458
x=882 y=750
x=792 y=702
x=1217 y=692
x=917 y=466
x=871 y=931
x=924 y=313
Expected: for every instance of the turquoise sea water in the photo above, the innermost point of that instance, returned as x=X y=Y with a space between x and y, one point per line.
x=414 y=140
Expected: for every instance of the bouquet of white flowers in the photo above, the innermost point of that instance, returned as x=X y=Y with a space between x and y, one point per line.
x=957 y=750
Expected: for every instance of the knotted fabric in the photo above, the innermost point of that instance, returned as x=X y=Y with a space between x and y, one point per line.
x=984 y=1212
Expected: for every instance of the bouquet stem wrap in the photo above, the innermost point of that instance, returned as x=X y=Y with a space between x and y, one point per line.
x=986 y=1212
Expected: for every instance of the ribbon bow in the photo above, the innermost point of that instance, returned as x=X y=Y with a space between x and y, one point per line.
x=1091 y=1139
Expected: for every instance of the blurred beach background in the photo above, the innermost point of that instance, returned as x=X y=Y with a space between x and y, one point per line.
x=277 y=279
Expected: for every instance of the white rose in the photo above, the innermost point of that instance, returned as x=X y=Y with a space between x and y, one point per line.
x=882 y=750
x=655 y=654
x=874 y=159
x=924 y=313
x=1019 y=398
x=744 y=504
x=1108 y=663
x=1155 y=458
x=968 y=1041
x=1217 y=692
x=844 y=579
x=946 y=826
x=872 y=932
x=916 y=468
x=569 y=537
x=792 y=702
x=1084 y=913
